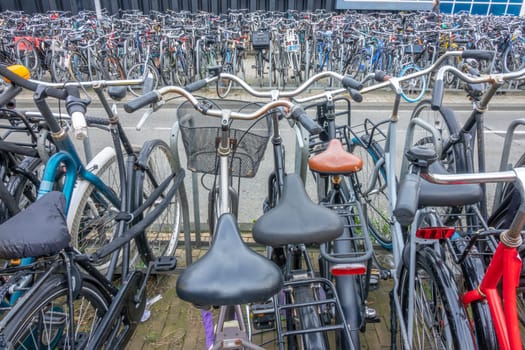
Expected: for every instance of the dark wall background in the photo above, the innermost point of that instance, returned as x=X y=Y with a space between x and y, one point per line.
x=214 y=6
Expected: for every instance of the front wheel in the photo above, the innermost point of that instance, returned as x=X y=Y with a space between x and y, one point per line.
x=43 y=321
x=157 y=163
x=372 y=189
x=413 y=89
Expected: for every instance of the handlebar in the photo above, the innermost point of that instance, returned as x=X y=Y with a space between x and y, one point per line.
x=511 y=237
x=156 y=96
x=495 y=79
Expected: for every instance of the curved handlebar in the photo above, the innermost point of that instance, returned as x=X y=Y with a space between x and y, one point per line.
x=295 y=112
x=500 y=78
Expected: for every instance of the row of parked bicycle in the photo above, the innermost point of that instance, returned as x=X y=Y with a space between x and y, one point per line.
x=287 y=47
x=81 y=239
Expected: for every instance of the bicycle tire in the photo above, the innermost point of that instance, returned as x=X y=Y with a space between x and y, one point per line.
x=513 y=56
x=224 y=85
x=24 y=186
x=376 y=199
x=137 y=72
x=349 y=292
x=444 y=120
x=308 y=318
x=468 y=276
x=446 y=316
x=26 y=55
x=78 y=67
x=59 y=72
x=412 y=90
x=156 y=164
x=35 y=326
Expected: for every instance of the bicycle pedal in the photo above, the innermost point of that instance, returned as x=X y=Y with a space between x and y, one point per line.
x=371 y=315
x=165 y=264
x=373 y=283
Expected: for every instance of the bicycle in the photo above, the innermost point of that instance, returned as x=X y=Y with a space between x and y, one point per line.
x=55 y=295
x=49 y=301
x=421 y=257
x=190 y=287
x=97 y=211
x=291 y=256
x=505 y=265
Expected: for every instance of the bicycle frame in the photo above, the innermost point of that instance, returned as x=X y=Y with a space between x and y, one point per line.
x=505 y=265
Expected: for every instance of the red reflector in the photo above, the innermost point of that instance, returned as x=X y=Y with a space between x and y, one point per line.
x=348 y=269
x=435 y=232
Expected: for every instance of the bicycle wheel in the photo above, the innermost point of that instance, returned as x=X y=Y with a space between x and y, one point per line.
x=440 y=320
x=372 y=189
x=91 y=217
x=161 y=237
x=43 y=321
x=59 y=72
x=137 y=72
x=24 y=186
x=223 y=85
x=445 y=123
x=514 y=56
x=26 y=55
x=308 y=318
x=413 y=90
x=78 y=67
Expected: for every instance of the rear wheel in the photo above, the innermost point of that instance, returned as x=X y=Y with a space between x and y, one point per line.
x=308 y=317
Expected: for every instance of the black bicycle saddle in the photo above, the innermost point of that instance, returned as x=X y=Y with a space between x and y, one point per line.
x=296 y=219
x=230 y=273
x=39 y=230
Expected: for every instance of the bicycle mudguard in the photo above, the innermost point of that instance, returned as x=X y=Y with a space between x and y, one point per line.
x=95 y=166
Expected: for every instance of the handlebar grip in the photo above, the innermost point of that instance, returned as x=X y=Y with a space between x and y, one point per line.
x=350 y=83
x=478 y=54
x=407 y=199
x=380 y=76
x=310 y=125
x=356 y=95
x=26 y=84
x=141 y=101
x=78 y=122
x=437 y=95
x=196 y=85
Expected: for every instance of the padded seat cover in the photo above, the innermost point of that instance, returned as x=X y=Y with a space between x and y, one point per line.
x=335 y=160
x=296 y=219
x=230 y=273
x=39 y=230
x=437 y=195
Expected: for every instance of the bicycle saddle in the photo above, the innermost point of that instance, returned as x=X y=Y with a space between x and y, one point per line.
x=436 y=195
x=296 y=219
x=39 y=230
x=335 y=160
x=230 y=273
x=432 y=194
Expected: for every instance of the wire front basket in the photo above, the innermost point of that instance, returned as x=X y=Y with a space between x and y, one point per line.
x=201 y=136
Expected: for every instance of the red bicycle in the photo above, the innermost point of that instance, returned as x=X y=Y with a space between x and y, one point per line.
x=505 y=266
